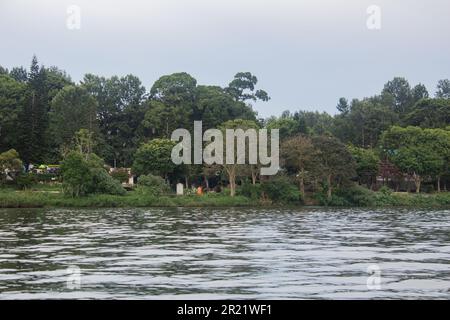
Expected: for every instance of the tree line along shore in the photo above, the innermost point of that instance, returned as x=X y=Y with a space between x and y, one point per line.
x=105 y=142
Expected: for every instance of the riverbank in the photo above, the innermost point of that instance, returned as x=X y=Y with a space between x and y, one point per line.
x=10 y=198
x=39 y=199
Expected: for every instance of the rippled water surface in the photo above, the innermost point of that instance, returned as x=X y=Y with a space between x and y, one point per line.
x=224 y=253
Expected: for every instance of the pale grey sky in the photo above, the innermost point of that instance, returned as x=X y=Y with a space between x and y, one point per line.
x=306 y=54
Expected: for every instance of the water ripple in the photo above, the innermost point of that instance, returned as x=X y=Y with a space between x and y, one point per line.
x=189 y=253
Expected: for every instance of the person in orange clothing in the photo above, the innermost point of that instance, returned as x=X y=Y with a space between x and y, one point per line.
x=199 y=191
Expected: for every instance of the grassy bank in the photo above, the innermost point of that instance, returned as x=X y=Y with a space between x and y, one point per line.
x=10 y=198
x=33 y=199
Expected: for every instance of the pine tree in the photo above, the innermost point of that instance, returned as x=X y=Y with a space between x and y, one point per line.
x=33 y=120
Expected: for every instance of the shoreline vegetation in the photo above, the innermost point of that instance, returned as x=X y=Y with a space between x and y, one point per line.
x=108 y=142
x=10 y=198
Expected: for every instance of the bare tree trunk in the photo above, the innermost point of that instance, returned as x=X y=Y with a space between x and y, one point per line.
x=439 y=184
x=417 y=182
x=302 y=186
x=186 y=181
x=206 y=182
x=232 y=178
x=301 y=176
x=329 y=187
x=253 y=177
x=232 y=186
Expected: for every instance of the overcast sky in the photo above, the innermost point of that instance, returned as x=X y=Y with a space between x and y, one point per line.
x=306 y=54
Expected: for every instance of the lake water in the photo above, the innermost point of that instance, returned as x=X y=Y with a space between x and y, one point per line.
x=194 y=253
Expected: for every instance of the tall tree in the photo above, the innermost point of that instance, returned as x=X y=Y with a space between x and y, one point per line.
x=120 y=112
x=367 y=165
x=33 y=119
x=72 y=109
x=365 y=122
x=214 y=106
x=413 y=150
x=298 y=154
x=3 y=71
x=400 y=91
x=19 y=74
x=314 y=122
x=9 y=163
x=443 y=89
x=430 y=113
x=343 y=106
x=242 y=88
x=154 y=157
x=234 y=169
x=335 y=161
x=419 y=92
x=287 y=125
x=11 y=103
x=171 y=105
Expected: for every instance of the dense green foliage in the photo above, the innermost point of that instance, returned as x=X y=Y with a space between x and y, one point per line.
x=398 y=139
x=155 y=158
x=281 y=190
x=418 y=152
x=76 y=174
x=154 y=185
x=367 y=162
x=84 y=174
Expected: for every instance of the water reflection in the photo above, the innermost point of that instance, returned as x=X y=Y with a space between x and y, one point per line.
x=224 y=253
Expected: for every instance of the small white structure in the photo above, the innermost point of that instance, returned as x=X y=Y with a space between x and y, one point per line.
x=131 y=180
x=180 y=189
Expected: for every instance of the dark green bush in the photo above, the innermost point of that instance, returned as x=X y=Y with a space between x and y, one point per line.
x=152 y=185
x=349 y=196
x=335 y=201
x=249 y=190
x=385 y=190
x=356 y=196
x=76 y=173
x=25 y=180
x=281 y=190
x=443 y=199
x=83 y=176
x=102 y=182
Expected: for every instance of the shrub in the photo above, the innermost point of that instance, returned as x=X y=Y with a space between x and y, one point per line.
x=281 y=190
x=25 y=180
x=81 y=176
x=335 y=201
x=385 y=190
x=154 y=157
x=443 y=199
x=349 y=196
x=356 y=196
x=9 y=160
x=154 y=185
x=76 y=174
x=95 y=161
x=249 y=190
x=102 y=182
